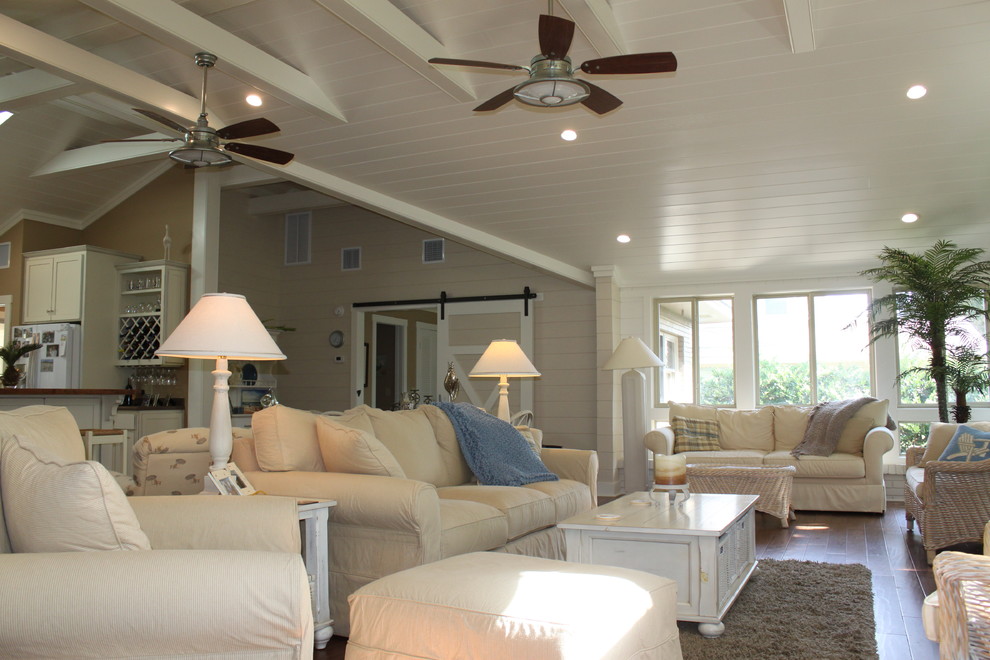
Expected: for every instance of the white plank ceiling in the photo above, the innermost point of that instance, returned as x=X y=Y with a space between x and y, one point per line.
x=784 y=145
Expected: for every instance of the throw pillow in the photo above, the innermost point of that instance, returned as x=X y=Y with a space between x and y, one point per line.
x=789 y=424
x=939 y=436
x=967 y=446
x=351 y=450
x=527 y=434
x=57 y=506
x=285 y=439
x=694 y=434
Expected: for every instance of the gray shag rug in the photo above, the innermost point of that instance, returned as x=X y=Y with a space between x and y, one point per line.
x=794 y=610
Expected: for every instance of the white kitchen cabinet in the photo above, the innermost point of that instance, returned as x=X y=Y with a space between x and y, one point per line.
x=145 y=422
x=53 y=288
x=76 y=285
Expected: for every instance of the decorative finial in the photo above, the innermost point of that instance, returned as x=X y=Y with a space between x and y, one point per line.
x=451 y=382
x=167 y=244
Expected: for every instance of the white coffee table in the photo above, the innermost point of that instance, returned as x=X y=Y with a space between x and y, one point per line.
x=706 y=544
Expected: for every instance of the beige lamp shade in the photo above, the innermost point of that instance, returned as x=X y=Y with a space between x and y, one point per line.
x=503 y=357
x=632 y=353
x=221 y=325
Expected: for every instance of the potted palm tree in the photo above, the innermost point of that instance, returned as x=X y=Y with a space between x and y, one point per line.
x=935 y=294
x=10 y=354
x=966 y=371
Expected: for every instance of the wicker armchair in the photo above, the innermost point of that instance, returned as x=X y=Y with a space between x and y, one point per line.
x=950 y=501
x=963 y=582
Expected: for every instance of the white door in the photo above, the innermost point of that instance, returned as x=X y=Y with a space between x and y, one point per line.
x=464 y=333
x=426 y=360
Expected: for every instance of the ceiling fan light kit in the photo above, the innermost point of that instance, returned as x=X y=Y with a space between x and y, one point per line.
x=201 y=143
x=551 y=76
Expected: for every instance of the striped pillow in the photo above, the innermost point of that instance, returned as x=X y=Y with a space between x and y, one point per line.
x=694 y=434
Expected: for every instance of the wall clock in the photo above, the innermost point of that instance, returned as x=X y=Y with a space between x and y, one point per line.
x=336 y=338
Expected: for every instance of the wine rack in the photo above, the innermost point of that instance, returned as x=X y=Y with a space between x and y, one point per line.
x=152 y=298
x=140 y=337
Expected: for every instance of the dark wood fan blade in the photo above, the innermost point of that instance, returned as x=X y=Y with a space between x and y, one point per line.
x=496 y=102
x=599 y=100
x=484 y=65
x=555 y=36
x=162 y=120
x=636 y=63
x=147 y=140
x=261 y=153
x=246 y=129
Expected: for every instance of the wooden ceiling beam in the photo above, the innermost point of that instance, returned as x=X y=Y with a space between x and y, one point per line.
x=184 y=30
x=397 y=34
x=42 y=51
x=33 y=87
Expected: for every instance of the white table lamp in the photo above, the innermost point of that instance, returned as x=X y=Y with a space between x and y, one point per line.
x=221 y=326
x=632 y=354
x=503 y=359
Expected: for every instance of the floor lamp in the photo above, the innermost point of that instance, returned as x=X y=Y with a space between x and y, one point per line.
x=221 y=326
x=632 y=354
x=503 y=358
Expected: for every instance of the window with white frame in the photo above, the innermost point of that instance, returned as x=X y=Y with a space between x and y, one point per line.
x=693 y=337
x=810 y=347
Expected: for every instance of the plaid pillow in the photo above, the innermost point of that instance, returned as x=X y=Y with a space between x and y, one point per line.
x=694 y=434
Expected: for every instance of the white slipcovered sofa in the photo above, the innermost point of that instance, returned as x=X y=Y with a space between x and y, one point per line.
x=849 y=479
x=404 y=492
x=87 y=573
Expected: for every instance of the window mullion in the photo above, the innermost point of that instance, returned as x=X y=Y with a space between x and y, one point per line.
x=812 y=350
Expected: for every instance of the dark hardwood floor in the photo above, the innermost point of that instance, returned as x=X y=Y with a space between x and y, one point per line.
x=901 y=576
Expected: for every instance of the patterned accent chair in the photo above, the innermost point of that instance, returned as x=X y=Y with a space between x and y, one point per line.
x=950 y=499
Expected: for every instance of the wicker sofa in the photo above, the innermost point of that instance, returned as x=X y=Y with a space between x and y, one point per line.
x=950 y=500
x=850 y=479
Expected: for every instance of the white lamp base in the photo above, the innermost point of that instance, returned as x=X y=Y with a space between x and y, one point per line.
x=221 y=439
x=503 y=398
x=635 y=473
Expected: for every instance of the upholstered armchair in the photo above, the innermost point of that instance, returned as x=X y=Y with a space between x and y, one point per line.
x=89 y=573
x=950 y=500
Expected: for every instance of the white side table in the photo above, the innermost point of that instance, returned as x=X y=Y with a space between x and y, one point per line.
x=314 y=524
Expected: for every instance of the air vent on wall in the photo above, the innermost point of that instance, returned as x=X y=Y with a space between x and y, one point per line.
x=350 y=258
x=433 y=251
x=297 y=235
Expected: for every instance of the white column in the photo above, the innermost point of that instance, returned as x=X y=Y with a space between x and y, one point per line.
x=204 y=273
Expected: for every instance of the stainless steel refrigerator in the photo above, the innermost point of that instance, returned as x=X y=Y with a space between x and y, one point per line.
x=56 y=365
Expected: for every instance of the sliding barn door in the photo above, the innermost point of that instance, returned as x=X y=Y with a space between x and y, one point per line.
x=464 y=333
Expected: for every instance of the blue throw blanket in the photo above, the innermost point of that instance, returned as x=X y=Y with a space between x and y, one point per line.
x=494 y=450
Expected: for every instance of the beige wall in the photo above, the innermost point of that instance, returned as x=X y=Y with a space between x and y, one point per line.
x=137 y=225
x=392 y=269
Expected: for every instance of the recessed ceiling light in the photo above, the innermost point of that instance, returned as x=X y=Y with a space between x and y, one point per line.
x=5 y=115
x=916 y=91
x=909 y=217
x=623 y=238
x=253 y=99
x=568 y=135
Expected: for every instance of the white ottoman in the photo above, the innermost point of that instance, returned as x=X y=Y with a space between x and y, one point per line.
x=496 y=606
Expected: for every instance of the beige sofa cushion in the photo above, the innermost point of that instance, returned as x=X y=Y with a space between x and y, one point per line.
x=285 y=439
x=51 y=505
x=744 y=457
x=351 y=450
x=470 y=527
x=692 y=411
x=789 y=425
x=870 y=416
x=837 y=465
x=525 y=509
x=746 y=429
x=939 y=435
